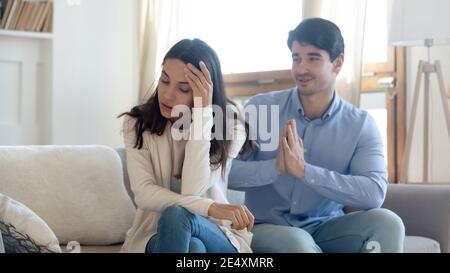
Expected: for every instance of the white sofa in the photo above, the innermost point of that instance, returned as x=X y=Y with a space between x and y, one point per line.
x=83 y=193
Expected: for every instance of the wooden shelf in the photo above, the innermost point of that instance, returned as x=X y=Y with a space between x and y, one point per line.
x=27 y=34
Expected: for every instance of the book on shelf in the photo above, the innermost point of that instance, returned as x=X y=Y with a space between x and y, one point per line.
x=27 y=15
x=3 y=4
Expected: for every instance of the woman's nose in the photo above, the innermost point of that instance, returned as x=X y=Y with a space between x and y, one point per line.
x=169 y=93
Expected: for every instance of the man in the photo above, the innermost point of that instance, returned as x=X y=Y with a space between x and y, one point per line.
x=330 y=156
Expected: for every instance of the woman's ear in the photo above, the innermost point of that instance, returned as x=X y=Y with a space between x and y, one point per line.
x=338 y=63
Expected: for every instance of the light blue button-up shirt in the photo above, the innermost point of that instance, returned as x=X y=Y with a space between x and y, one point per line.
x=345 y=165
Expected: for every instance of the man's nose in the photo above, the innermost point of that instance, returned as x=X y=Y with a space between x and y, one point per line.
x=301 y=68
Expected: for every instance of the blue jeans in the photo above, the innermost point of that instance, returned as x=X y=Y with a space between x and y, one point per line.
x=376 y=230
x=180 y=231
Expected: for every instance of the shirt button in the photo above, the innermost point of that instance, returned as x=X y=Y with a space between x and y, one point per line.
x=312 y=180
x=294 y=203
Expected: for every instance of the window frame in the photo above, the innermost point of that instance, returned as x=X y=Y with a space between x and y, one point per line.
x=395 y=67
x=253 y=83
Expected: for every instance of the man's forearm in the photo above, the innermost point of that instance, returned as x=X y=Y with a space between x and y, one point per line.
x=360 y=191
x=245 y=175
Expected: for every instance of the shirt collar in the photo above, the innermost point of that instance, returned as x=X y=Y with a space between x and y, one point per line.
x=299 y=107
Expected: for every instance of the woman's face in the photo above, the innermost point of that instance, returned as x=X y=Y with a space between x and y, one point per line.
x=173 y=88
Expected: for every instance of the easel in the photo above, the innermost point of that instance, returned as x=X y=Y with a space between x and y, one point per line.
x=425 y=68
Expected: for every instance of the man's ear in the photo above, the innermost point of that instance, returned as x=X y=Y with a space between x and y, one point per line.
x=338 y=63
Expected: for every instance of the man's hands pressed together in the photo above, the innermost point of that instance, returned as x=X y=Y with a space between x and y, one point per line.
x=291 y=152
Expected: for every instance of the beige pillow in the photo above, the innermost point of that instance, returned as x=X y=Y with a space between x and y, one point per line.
x=77 y=190
x=23 y=231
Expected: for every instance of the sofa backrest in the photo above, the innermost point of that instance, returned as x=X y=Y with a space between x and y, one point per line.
x=77 y=190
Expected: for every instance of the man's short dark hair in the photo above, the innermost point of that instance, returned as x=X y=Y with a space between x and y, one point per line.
x=320 y=33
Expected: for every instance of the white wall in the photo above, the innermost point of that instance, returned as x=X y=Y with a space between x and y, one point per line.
x=440 y=145
x=68 y=90
x=95 y=70
x=22 y=67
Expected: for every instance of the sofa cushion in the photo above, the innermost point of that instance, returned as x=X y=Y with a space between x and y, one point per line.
x=23 y=231
x=77 y=190
x=416 y=244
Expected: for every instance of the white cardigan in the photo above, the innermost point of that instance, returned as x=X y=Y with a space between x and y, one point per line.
x=151 y=168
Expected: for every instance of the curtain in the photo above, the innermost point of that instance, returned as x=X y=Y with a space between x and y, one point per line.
x=157 y=26
x=349 y=16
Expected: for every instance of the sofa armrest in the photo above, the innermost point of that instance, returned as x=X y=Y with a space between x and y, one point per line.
x=126 y=179
x=424 y=209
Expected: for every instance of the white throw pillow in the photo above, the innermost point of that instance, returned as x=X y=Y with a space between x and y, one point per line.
x=77 y=190
x=23 y=231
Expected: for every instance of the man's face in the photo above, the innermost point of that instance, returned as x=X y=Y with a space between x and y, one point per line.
x=313 y=70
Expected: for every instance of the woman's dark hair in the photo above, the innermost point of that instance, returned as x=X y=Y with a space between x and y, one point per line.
x=148 y=115
x=320 y=33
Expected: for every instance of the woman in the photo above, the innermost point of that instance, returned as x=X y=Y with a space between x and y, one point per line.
x=180 y=185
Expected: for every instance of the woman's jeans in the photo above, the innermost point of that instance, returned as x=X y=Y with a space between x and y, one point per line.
x=180 y=231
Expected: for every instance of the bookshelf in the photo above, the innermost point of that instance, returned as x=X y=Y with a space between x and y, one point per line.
x=26 y=34
x=65 y=87
x=26 y=15
x=26 y=76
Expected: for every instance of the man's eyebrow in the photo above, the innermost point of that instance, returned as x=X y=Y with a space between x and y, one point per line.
x=315 y=54
x=311 y=54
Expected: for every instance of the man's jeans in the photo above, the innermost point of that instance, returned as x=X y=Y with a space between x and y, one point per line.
x=376 y=230
x=180 y=231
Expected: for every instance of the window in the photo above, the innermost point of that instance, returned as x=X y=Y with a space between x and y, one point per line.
x=383 y=85
x=376 y=60
x=249 y=37
x=375 y=40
